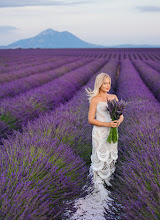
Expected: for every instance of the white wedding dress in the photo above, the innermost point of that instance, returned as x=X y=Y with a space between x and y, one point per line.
x=104 y=154
x=103 y=159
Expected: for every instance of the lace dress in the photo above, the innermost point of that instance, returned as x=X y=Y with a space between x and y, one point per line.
x=103 y=159
x=104 y=154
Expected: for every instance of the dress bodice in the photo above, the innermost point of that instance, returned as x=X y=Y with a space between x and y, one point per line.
x=102 y=114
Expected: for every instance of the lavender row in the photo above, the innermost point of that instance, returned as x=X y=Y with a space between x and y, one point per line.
x=8 y=61
x=154 y=65
x=38 y=177
x=150 y=76
x=21 y=85
x=24 y=62
x=19 y=109
x=46 y=167
x=136 y=182
x=33 y=70
x=41 y=64
x=9 y=57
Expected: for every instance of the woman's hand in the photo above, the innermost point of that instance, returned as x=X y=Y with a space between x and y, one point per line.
x=118 y=123
x=114 y=123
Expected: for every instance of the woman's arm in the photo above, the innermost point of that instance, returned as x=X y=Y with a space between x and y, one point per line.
x=121 y=118
x=91 y=116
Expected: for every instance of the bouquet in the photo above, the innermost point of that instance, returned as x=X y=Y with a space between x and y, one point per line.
x=115 y=109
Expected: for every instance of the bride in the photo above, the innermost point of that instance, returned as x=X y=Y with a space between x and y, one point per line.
x=104 y=154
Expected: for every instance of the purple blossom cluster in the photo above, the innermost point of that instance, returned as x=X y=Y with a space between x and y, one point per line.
x=136 y=182
x=116 y=108
x=45 y=167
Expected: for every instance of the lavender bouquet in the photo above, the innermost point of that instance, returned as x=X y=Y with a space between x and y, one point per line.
x=115 y=109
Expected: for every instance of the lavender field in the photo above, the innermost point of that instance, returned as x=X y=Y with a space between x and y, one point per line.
x=45 y=137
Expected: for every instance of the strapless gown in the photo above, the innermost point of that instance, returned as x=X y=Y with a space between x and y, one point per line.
x=104 y=154
x=103 y=159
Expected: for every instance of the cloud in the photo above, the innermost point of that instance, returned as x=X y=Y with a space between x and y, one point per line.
x=148 y=8
x=7 y=29
x=18 y=3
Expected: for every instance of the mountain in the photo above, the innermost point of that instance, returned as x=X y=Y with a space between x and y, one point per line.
x=53 y=39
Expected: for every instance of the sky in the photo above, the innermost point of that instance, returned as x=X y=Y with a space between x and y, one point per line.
x=102 y=22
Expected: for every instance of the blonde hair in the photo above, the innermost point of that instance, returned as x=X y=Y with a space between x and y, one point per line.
x=98 y=82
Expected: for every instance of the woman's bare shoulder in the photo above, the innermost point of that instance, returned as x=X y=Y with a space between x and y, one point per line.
x=95 y=99
x=113 y=96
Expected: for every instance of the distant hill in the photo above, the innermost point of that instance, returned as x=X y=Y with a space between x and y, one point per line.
x=54 y=39
x=135 y=46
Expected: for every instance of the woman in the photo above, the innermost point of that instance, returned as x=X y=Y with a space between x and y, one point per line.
x=104 y=154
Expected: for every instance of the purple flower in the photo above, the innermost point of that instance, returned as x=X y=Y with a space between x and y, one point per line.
x=115 y=109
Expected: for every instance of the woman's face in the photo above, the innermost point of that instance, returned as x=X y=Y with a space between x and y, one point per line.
x=105 y=87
